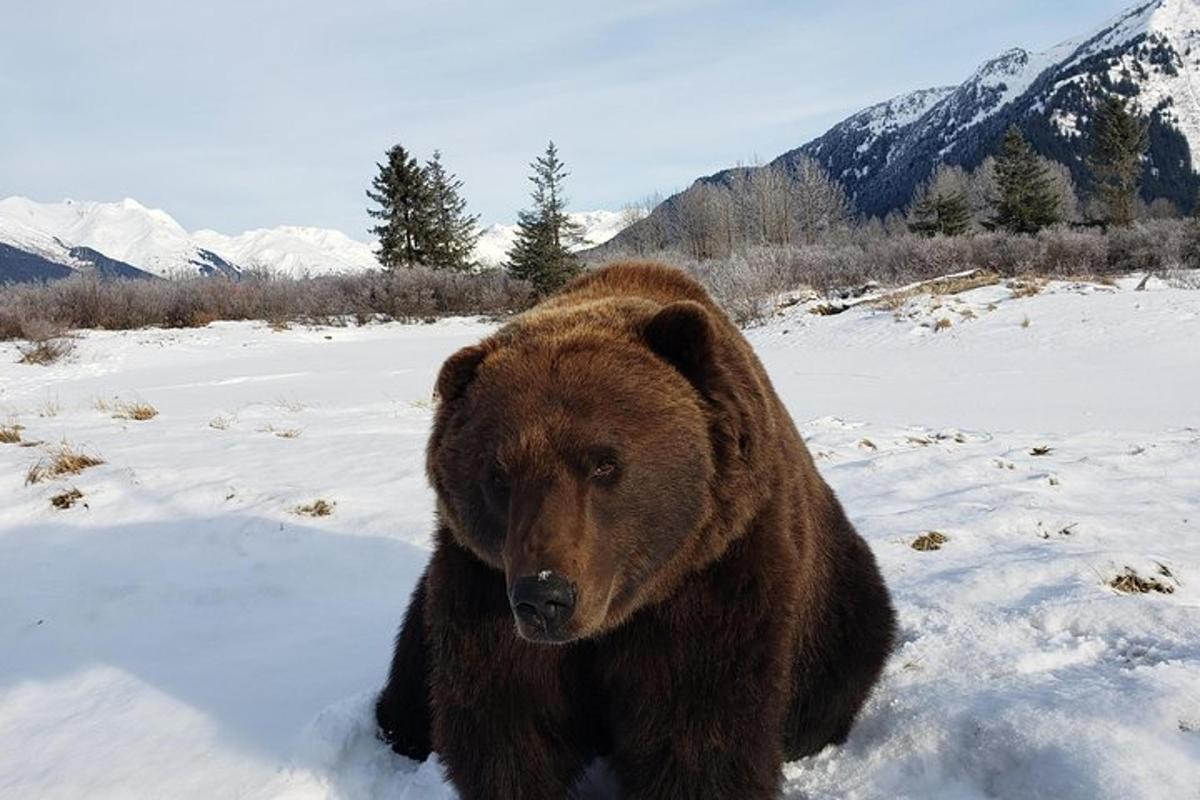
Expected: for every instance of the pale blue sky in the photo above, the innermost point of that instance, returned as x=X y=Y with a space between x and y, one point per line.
x=234 y=115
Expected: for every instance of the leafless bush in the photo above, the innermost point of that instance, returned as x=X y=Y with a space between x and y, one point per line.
x=1183 y=278
x=35 y=311
x=1140 y=249
x=1072 y=252
x=748 y=282
x=45 y=352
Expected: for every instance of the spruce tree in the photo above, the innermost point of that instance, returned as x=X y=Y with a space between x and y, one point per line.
x=452 y=231
x=945 y=213
x=1119 y=139
x=542 y=251
x=402 y=195
x=923 y=219
x=1028 y=200
x=954 y=214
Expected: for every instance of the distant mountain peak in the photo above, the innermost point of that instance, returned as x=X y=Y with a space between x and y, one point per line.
x=126 y=238
x=1149 y=54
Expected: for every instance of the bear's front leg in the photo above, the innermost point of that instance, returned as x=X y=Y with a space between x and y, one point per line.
x=508 y=718
x=696 y=711
x=402 y=710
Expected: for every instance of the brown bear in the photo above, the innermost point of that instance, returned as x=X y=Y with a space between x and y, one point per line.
x=635 y=559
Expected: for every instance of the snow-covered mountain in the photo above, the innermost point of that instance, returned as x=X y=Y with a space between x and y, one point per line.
x=43 y=241
x=1149 y=54
x=28 y=254
x=598 y=227
x=292 y=250
x=126 y=231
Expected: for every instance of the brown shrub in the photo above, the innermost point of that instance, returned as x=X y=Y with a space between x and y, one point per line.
x=36 y=311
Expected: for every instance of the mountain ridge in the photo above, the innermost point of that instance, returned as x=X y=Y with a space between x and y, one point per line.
x=1150 y=54
x=46 y=241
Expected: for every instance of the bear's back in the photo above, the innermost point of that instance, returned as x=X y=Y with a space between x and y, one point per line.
x=647 y=280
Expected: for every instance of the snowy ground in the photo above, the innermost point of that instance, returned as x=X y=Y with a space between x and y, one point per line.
x=183 y=632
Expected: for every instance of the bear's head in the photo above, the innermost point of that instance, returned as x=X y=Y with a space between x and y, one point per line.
x=583 y=452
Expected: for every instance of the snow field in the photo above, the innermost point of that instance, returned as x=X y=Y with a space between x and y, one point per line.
x=184 y=631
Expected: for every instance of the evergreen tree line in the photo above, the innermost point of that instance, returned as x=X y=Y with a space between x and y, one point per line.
x=424 y=222
x=423 y=219
x=1020 y=192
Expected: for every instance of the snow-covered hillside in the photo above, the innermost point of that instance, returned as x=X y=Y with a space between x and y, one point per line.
x=185 y=631
x=291 y=250
x=1149 y=54
x=152 y=241
x=598 y=227
x=149 y=239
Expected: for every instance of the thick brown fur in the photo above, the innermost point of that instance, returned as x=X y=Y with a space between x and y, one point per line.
x=728 y=617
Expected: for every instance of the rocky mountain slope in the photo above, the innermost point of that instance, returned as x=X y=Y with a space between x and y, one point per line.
x=1149 y=54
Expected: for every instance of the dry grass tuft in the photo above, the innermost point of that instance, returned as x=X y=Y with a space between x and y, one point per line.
x=64 y=460
x=938 y=287
x=66 y=499
x=291 y=406
x=45 y=352
x=220 y=423
x=317 y=508
x=11 y=434
x=1026 y=287
x=942 y=324
x=286 y=433
x=1025 y=322
x=1041 y=450
x=827 y=309
x=139 y=412
x=965 y=283
x=932 y=540
x=51 y=408
x=867 y=444
x=1130 y=582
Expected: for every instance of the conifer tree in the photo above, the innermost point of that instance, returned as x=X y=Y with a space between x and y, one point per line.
x=1028 y=200
x=542 y=252
x=401 y=195
x=923 y=218
x=940 y=211
x=452 y=231
x=954 y=214
x=1119 y=139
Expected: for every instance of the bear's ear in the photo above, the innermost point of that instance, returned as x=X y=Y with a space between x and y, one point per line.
x=458 y=372
x=682 y=333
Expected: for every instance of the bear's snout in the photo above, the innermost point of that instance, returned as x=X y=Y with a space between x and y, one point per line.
x=543 y=604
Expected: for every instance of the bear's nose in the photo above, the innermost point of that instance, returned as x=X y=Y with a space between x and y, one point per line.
x=543 y=601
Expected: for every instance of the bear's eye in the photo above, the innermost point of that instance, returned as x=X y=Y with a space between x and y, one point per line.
x=604 y=471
